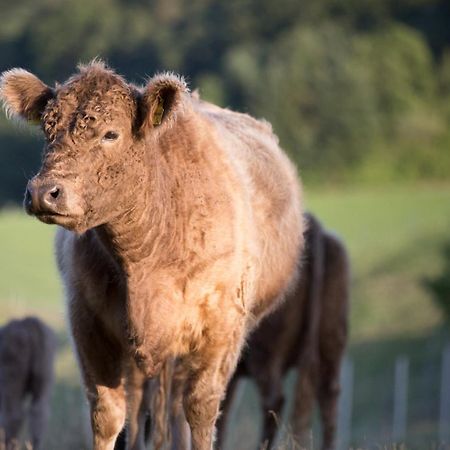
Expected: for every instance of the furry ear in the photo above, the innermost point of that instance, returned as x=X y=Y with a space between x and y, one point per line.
x=162 y=99
x=23 y=94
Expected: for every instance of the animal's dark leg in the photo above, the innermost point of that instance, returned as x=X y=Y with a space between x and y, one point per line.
x=12 y=413
x=270 y=385
x=305 y=395
x=329 y=385
x=328 y=401
x=226 y=405
x=38 y=417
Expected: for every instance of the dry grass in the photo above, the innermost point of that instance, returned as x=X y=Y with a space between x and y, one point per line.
x=15 y=445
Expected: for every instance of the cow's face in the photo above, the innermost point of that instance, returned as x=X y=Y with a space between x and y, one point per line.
x=94 y=126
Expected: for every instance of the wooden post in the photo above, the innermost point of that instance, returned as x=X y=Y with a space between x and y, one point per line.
x=344 y=428
x=444 y=410
x=400 y=399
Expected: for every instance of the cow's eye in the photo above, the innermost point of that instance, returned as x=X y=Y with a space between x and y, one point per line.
x=110 y=136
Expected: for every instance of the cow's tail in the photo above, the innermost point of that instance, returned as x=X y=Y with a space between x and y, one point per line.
x=315 y=271
x=161 y=407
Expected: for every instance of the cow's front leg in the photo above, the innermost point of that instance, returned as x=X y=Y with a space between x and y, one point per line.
x=108 y=412
x=101 y=362
x=206 y=387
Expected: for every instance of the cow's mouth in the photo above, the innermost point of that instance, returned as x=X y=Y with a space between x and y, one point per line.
x=49 y=217
x=54 y=217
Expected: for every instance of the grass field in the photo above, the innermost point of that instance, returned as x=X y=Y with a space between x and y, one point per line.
x=394 y=236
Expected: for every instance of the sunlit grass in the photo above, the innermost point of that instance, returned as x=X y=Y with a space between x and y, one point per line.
x=395 y=236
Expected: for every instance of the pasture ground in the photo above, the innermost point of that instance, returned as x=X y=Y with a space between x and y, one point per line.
x=395 y=236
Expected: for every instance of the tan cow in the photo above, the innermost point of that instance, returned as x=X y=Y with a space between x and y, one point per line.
x=27 y=350
x=182 y=227
x=307 y=332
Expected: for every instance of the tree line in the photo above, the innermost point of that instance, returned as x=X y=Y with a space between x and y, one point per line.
x=357 y=90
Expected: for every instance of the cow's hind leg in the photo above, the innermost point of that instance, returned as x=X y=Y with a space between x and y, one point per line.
x=270 y=386
x=38 y=416
x=328 y=395
x=304 y=401
x=12 y=413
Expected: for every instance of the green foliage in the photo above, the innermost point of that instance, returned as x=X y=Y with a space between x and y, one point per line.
x=356 y=90
x=318 y=99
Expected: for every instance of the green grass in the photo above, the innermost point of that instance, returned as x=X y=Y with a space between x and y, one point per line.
x=395 y=237
x=28 y=279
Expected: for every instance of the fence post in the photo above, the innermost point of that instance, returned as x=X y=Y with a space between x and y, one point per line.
x=400 y=399
x=344 y=427
x=444 y=410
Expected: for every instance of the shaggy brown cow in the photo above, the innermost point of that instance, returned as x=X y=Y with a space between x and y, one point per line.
x=182 y=228
x=308 y=331
x=27 y=349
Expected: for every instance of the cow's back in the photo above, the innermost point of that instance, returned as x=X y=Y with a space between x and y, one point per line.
x=272 y=186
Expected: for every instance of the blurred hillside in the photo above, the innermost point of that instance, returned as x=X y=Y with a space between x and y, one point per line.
x=358 y=91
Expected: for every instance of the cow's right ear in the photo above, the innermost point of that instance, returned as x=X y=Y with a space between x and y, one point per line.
x=162 y=100
x=23 y=94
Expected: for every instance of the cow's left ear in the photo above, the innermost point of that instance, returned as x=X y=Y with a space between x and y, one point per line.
x=162 y=99
x=23 y=94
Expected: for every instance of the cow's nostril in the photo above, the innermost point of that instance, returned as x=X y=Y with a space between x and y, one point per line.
x=54 y=192
x=51 y=196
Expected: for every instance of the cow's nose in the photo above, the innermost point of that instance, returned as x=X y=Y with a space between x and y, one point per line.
x=42 y=198
x=50 y=195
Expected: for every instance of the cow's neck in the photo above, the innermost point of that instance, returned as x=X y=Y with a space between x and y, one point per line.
x=143 y=239
x=143 y=233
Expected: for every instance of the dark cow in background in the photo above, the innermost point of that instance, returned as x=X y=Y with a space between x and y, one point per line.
x=27 y=350
x=181 y=228
x=308 y=332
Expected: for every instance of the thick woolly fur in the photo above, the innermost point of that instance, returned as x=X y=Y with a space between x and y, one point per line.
x=178 y=235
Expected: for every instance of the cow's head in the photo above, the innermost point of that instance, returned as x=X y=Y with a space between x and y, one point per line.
x=95 y=127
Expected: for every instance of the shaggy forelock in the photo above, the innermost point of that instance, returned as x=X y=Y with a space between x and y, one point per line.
x=95 y=92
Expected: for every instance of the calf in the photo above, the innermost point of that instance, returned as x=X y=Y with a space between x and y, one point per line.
x=27 y=349
x=181 y=228
x=308 y=332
